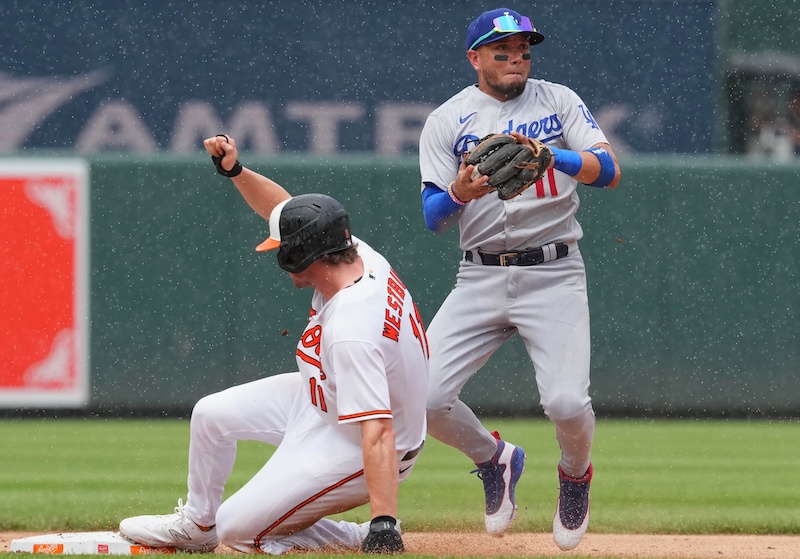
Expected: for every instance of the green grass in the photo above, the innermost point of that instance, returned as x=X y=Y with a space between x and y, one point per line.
x=651 y=476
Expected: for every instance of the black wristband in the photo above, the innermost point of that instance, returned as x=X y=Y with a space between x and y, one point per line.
x=235 y=170
x=383 y=522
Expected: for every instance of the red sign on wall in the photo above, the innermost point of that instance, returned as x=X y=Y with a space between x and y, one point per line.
x=44 y=283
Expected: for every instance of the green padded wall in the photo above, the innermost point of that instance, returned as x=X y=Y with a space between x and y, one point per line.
x=692 y=262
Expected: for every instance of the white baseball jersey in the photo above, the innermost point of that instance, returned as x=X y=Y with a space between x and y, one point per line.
x=549 y=112
x=363 y=354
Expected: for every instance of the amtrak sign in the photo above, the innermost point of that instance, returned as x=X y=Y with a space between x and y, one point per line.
x=325 y=77
x=117 y=124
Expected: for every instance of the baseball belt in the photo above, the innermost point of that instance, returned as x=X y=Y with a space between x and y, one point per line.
x=532 y=257
x=412 y=453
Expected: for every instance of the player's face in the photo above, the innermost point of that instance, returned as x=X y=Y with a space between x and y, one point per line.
x=301 y=279
x=503 y=66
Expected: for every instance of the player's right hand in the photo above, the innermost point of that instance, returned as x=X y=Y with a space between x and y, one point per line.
x=471 y=184
x=223 y=151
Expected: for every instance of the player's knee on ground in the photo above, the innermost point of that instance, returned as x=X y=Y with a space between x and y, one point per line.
x=233 y=529
x=238 y=526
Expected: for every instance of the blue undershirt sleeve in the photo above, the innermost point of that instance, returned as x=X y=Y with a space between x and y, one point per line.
x=570 y=162
x=438 y=208
x=607 y=169
x=567 y=161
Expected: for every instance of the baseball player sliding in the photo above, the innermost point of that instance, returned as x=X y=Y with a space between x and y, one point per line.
x=522 y=271
x=348 y=425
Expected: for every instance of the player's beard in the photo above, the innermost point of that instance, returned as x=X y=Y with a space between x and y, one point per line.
x=508 y=90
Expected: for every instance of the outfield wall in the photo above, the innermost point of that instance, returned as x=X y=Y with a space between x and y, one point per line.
x=692 y=261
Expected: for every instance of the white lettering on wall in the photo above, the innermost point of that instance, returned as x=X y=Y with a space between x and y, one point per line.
x=399 y=125
x=27 y=102
x=195 y=121
x=116 y=126
x=323 y=119
x=251 y=124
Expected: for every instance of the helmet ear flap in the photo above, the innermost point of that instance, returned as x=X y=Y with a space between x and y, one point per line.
x=288 y=260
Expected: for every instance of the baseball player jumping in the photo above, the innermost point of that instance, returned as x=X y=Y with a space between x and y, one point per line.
x=522 y=270
x=348 y=425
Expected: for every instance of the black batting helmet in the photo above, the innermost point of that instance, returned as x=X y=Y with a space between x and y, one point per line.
x=305 y=227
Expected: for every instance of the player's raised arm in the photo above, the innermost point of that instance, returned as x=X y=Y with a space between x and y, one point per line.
x=260 y=192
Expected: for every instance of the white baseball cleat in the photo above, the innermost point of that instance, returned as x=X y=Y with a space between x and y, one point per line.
x=572 y=514
x=169 y=530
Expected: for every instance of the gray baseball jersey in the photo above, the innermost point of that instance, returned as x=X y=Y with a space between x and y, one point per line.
x=549 y=112
x=546 y=304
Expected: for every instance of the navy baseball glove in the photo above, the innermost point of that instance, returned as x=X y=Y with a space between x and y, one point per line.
x=383 y=536
x=511 y=166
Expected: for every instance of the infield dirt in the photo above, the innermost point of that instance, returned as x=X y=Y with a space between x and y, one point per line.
x=644 y=546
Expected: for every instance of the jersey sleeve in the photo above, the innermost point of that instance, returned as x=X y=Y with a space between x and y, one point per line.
x=438 y=164
x=581 y=129
x=362 y=388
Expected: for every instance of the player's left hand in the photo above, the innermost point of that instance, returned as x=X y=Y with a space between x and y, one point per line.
x=512 y=162
x=383 y=536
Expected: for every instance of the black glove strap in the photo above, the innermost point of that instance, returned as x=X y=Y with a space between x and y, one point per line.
x=217 y=159
x=235 y=170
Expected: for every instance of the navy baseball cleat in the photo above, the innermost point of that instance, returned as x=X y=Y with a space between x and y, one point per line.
x=500 y=476
x=572 y=514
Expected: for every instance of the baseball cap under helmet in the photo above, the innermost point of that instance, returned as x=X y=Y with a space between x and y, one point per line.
x=305 y=227
x=498 y=24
